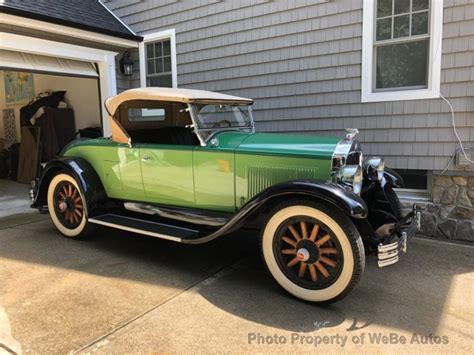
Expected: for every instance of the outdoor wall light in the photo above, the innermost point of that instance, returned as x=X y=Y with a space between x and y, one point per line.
x=126 y=64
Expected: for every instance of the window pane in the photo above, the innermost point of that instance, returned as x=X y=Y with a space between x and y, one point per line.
x=420 y=5
x=419 y=23
x=150 y=50
x=158 y=51
x=167 y=64
x=146 y=114
x=159 y=65
x=401 y=26
x=402 y=65
x=161 y=81
x=151 y=66
x=384 y=29
x=401 y=6
x=384 y=8
x=166 y=48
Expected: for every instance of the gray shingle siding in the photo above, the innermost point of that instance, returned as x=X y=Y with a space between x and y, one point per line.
x=301 y=62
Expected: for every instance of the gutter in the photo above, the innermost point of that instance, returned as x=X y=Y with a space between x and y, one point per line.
x=40 y=17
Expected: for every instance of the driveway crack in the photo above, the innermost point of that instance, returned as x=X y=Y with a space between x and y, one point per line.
x=208 y=276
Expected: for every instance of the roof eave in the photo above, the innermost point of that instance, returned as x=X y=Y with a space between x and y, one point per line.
x=13 y=11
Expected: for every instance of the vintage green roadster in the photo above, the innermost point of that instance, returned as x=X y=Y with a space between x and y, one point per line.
x=187 y=166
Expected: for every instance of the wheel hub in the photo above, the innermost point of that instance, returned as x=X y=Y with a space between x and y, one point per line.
x=302 y=254
x=62 y=206
x=309 y=251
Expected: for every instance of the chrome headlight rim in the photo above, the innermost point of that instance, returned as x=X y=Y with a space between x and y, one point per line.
x=347 y=163
x=374 y=168
x=351 y=176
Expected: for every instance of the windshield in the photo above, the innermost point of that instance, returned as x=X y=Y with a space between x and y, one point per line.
x=210 y=117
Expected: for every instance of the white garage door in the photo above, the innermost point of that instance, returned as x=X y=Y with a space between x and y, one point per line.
x=44 y=64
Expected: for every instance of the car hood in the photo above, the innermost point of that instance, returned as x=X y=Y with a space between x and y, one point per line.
x=288 y=144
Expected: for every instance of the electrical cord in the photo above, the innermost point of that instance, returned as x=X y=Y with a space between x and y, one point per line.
x=452 y=159
x=462 y=149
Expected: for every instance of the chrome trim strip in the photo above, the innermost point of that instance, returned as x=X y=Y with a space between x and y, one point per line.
x=189 y=217
x=135 y=230
x=387 y=247
x=388 y=255
x=383 y=263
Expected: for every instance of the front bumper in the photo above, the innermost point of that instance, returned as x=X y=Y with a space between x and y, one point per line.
x=389 y=253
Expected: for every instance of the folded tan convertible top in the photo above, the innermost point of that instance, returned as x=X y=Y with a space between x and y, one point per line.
x=171 y=94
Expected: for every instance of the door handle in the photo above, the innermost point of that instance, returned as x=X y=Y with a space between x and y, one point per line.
x=146 y=158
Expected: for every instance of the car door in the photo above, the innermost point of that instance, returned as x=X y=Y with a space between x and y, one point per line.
x=215 y=172
x=167 y=172
x=122 y=175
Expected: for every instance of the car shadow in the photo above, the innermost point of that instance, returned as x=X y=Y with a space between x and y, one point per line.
x=410 y=295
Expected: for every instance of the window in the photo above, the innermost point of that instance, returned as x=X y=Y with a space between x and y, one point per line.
x=158 y=64
x=143 y=114
x=158 y=60
x=414 y=179
x=168 y=126
x=401 y=55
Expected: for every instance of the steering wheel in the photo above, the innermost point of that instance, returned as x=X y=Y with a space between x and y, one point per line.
x=219 y=123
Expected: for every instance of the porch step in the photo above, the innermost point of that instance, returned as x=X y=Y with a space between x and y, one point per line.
x=141 y=226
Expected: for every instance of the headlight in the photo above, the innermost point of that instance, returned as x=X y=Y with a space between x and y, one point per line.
x=374 y=168
x=350 y=175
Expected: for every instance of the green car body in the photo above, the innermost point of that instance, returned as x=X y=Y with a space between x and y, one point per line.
x=187 y=166
x=221 y=178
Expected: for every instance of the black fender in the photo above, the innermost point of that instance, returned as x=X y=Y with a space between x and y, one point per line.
x=393 y=178
x=330 y=193
x=85 y=175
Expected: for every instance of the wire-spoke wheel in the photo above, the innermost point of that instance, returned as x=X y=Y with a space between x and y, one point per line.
x=312 y=251
x=67 y=206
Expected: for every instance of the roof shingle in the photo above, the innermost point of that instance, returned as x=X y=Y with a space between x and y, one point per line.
x=84 y=14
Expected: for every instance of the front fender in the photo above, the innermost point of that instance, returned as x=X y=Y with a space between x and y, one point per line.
x=330 y=193
x=394 y=178
x=85 y=175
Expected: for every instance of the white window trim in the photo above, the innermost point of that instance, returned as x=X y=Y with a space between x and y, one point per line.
x=158 y=36
x=434 y=72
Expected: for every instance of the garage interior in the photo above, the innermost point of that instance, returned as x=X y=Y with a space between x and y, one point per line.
x=45 y=103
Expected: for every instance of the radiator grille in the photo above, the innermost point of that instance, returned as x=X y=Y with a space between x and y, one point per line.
x=262 y=177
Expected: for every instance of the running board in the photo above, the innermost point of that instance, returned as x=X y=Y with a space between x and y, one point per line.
x=180 y=214
x=140 y=226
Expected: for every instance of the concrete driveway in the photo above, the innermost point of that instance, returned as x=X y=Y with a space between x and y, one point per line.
x=120 y=292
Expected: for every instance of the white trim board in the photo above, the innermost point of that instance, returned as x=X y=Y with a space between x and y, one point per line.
x=66 y=31
x=434 y=72
x=105 y=61
x=157 y=36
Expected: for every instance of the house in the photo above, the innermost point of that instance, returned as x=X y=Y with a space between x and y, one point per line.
x=401 y=71
x=65 y=45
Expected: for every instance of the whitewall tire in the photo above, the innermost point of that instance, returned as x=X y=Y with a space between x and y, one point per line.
x=67 y=206
x=313 y=251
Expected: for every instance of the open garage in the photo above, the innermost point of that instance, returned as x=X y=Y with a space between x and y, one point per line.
x=54 y=77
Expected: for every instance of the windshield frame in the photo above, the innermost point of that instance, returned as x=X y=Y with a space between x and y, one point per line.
x=199 y=131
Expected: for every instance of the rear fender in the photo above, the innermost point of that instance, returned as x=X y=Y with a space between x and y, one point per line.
x=85 y=175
